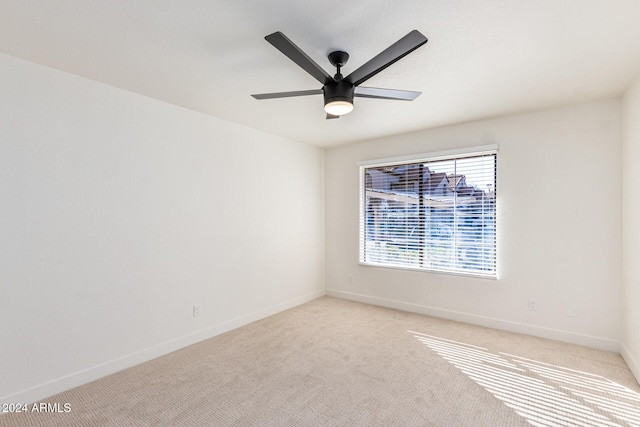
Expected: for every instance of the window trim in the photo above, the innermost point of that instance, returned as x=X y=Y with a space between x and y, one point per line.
x=414 y=158
x=434 y=156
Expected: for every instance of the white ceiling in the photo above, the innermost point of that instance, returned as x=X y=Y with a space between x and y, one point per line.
x=484 y=57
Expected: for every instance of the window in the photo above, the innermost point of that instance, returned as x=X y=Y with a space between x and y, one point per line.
x=433 y=212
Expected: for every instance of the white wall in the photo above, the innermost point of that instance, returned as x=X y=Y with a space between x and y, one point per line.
x=631 y=226
x=119 y=212
x=559 y=228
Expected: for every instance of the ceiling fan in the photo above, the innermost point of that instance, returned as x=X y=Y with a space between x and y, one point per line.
x=339 y=91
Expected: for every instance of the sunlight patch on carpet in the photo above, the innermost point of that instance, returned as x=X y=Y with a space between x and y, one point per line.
x=544 y=394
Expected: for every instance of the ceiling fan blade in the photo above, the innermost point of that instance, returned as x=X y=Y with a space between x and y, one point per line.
x=294 y=53
x=287 y=94
x=390 y=55
x=380 y=93
x=331 y=116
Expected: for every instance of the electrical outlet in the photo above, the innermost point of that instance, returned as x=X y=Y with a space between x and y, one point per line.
x=196 y=310
x=572 y=310
x=533 y=305
x=350 y=278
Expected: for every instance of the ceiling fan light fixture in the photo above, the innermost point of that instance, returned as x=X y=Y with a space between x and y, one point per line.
x=338 y=98
x=338 y=108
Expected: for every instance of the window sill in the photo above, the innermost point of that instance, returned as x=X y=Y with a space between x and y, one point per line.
x=428 y=270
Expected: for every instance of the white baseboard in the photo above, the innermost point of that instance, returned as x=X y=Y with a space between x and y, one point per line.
x=505 y=325
x=632 y=363
x=48 y=389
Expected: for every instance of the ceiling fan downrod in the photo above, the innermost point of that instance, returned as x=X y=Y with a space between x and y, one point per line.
x=338 y=59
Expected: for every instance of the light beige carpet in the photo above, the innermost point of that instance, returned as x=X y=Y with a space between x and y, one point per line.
x=342 y=363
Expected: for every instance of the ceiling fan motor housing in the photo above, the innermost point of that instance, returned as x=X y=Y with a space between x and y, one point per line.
x=338 y=91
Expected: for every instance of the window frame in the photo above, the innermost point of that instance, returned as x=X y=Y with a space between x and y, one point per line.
x=476 y=151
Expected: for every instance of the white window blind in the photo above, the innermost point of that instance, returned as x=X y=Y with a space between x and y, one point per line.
x=434 y=213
